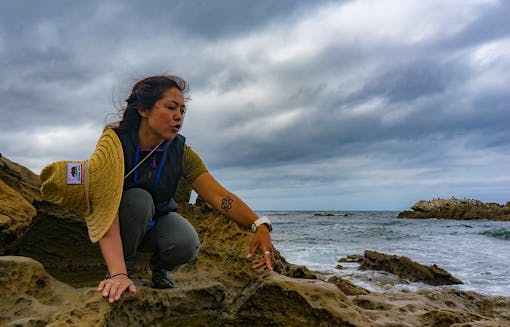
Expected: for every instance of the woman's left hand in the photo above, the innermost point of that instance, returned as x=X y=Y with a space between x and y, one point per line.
x=262 y=240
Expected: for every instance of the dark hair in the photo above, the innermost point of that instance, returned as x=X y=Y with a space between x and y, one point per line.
x=144 y=95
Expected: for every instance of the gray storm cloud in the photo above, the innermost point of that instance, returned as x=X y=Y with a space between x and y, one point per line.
x=295 y=104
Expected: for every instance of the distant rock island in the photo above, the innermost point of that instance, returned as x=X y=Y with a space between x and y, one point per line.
x=462 y=209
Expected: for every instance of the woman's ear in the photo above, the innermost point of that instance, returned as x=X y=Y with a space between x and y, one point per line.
x=142 y=113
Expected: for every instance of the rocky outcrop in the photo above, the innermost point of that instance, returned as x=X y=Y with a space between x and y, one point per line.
x=218 y=289
x=407 y=269
x=45 y=232
x=465 y=209
x=19 y=188
x=31 y=297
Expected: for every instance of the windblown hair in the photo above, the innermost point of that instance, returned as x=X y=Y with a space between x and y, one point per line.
x=143 y=96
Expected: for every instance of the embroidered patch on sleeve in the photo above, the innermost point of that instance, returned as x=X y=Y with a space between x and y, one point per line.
x=74 y=173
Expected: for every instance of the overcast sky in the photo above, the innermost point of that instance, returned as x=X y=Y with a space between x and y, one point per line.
x=349 y=105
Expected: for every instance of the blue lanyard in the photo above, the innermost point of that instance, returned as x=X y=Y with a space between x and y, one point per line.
x=161 y=164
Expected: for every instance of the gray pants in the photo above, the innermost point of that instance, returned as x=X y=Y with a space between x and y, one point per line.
x=173 y=240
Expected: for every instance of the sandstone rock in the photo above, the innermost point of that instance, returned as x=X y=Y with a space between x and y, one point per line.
x=41 y=230
x=183 y=193
x=438 y=307
x=407 y=269
x=28 y=295
x=19 y=187
x=226 y=244
x=32 y=297
x=48 y=240
x=16 y=207
x=283 y=301
x=347 y=287
x=21 y=179
x=465 y=209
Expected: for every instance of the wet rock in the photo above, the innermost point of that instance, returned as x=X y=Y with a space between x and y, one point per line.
x=352 y=258
x=465 y=209
x=405 y=268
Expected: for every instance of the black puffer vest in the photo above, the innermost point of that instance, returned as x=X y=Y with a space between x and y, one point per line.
x=148 y=170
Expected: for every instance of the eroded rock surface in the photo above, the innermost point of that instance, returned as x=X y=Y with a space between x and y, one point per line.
x=19 y=188
x=31 y=297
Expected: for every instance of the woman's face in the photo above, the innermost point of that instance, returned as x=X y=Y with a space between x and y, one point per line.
x=166 y=117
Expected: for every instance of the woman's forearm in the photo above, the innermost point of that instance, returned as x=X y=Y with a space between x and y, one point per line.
x=227 y=203
x=111 y=248
x=236 y=209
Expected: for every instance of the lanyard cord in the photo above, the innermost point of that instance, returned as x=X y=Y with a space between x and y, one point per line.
x=147 y=156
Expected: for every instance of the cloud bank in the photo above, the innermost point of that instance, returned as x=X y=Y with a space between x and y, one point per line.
x=355 y=105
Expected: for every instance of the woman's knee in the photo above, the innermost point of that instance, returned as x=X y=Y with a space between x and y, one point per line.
x=178 y=253
x=136 y=205
x=180 y=244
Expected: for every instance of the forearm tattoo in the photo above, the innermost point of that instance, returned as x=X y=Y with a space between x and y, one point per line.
x=226 y=203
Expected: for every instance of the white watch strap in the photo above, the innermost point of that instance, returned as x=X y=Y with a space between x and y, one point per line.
x=260 y=221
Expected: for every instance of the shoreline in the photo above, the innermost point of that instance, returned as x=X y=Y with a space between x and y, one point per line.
x=431 y=241
x=381 y=282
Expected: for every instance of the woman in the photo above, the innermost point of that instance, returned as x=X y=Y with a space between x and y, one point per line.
x=155 y=158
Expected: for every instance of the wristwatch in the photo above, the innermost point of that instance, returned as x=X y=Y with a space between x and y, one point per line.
x=260 y=221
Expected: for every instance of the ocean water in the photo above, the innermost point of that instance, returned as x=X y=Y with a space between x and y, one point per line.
x=477 y=252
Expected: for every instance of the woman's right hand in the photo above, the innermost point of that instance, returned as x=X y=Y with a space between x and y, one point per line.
x=113 y=288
